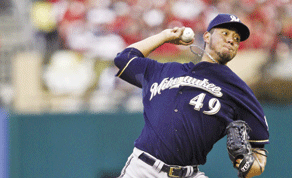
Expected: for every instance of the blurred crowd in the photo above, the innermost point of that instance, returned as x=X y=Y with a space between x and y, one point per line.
x=78 y=21
x=80 y=38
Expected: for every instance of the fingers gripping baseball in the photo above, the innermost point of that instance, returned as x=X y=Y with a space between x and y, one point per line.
x=188 y=35
x=175 y=36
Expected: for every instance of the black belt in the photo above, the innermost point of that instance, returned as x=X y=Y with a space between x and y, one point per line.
x=172 y=171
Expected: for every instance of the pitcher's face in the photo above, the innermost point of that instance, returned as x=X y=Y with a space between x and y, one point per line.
x=224 y=43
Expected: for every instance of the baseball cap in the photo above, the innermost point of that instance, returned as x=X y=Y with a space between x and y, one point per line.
x=229 y=20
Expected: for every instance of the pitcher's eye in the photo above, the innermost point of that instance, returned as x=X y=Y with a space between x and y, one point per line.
x=236 y=39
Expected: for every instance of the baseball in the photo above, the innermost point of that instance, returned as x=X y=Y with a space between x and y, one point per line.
x=187 y=35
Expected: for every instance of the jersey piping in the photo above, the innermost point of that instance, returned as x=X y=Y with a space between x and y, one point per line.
x=126 y=66
x=258 y=141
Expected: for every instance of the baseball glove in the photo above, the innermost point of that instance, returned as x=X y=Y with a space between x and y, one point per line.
x=238 y=146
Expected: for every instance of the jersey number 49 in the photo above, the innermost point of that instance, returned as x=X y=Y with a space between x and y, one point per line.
x=198 y=102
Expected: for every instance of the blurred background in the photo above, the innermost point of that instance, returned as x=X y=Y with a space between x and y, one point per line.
x=65 y=114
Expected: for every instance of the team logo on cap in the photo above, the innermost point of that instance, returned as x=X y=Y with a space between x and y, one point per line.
x=234 y=18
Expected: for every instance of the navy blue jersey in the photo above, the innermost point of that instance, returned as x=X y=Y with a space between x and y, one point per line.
x=188 y=106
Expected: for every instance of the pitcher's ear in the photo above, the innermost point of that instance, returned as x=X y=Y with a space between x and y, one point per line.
x=206 y=37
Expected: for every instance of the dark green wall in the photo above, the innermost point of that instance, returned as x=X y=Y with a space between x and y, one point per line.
x=93 y=146
x=68 y=146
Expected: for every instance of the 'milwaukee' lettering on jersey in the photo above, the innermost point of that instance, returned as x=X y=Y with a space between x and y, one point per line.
x=167 y=83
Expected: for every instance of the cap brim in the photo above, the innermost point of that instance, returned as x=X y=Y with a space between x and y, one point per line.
x=240 y=27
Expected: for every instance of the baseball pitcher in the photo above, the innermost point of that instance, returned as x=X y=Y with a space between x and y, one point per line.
x=189 y=107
